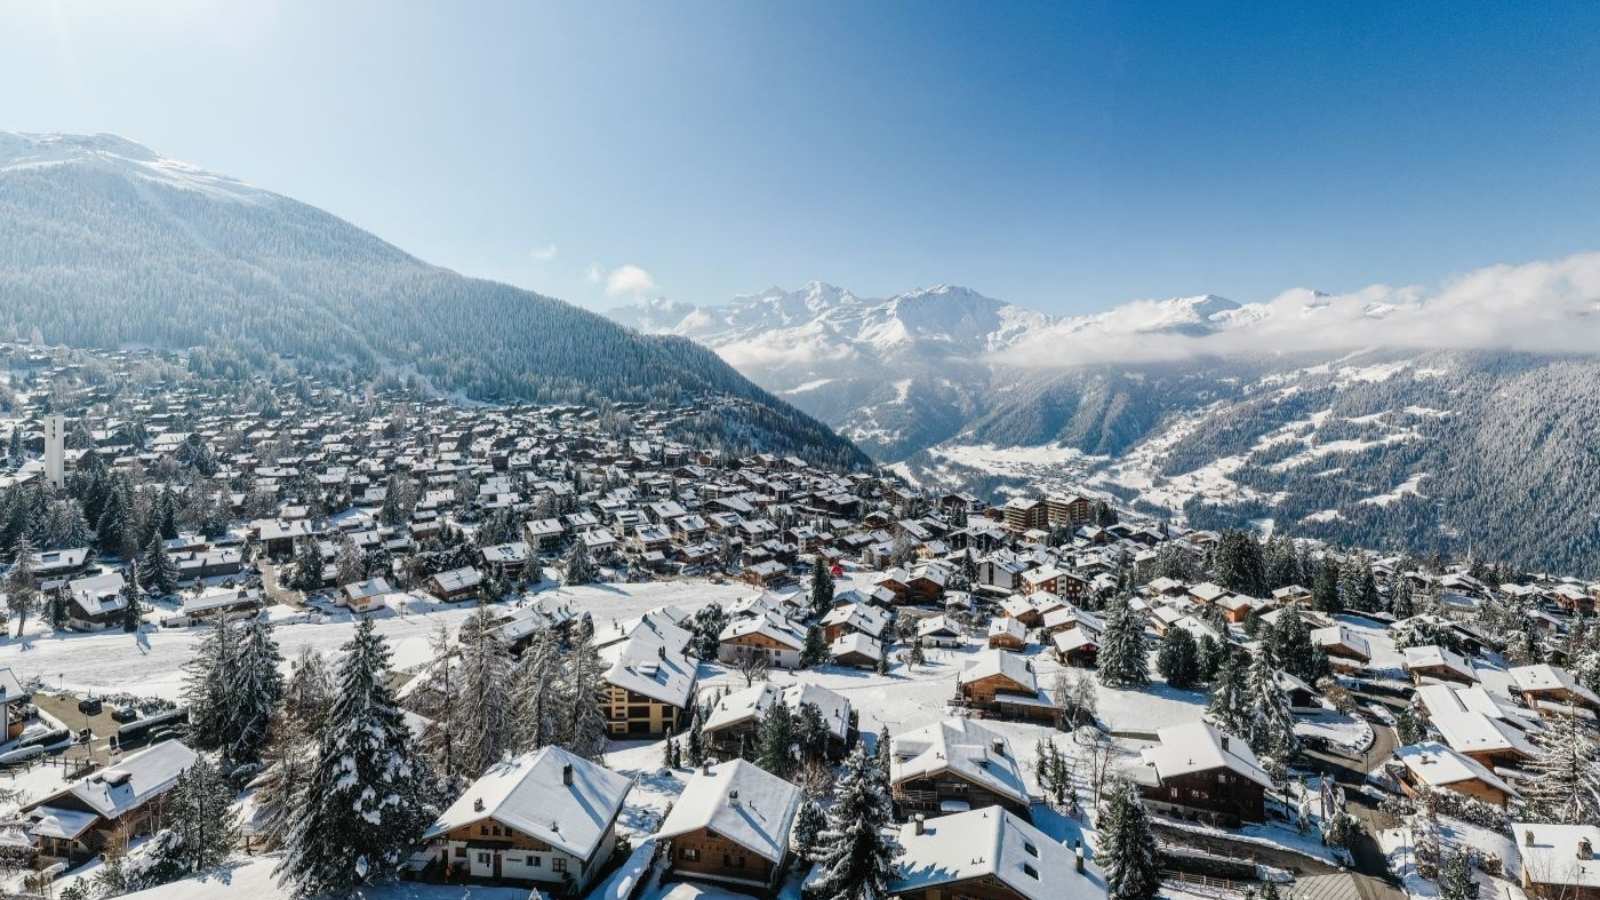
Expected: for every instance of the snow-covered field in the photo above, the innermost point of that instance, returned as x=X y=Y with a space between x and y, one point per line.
x=151 y=662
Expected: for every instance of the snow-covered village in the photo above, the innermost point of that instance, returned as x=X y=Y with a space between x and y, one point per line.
x=268 y=638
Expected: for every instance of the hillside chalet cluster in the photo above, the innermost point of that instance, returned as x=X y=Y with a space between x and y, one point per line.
x=272 y=500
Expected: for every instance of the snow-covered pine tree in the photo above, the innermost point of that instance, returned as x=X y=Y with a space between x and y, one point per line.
x=1271 y=726
x=856 y=854
x=815 y=651
x=253 y=692
x=307 y=566
x=821 y=587
x=22 y=589
x=1566 y=788
x=367 y=798
x=205 y=690
x=775 y=748
x=279 y=789
x=583 y=726
x=308 y=695
x=132 y=601
x=579 y=568
x=534 y=696
x=808 y=825
x=199 y=813
x=1128 y=847
x=1228 y=705
x=159 y=571
x=1122 y=659
x=483 y=711
x=1456 y=880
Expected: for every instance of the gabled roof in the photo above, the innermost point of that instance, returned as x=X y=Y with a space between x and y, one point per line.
x=1550 y=853
x=530 y=794
x=963 y=747
x=114 y=791
x=1198 y=747
x=999 y=662
x=750 y=807
x=1439 y=766
x=992 y=843
x=754 y=701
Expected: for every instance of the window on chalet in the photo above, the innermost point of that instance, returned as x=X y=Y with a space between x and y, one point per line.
x=1032 y=850
x=559 y=864
x=1031 y=871
x=691 y=854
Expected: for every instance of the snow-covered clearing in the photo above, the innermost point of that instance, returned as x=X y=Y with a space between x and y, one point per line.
x=151 y=661
x=1410 y=487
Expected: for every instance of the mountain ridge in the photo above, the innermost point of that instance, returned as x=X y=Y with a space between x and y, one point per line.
x=104 y=242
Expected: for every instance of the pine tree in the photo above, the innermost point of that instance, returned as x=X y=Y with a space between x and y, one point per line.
x=349 y=565
x=1228 y=704
x=1409 y=727
x=166 y=515
x=1566 y=788
x=821 y=588
x=1325 y=590
x=367 y=799
x=207 y=678
x=22 y=590
x=583 y=725
x=1178 y=660
x=253 y=691
x=884 y=752
x=1128 y=854
x=1271 y=730
x=308 y=695
x=808 y=825
x=695 y=752
x=280 y=788
x=159 y=571
x=855 y=856
x=1456 y=881
x=579 y=568
x=483 y=719
x=775 y=751
x=308 y=566
x=815 y=652
x=1403 y=605
x=200 y=816
x=533 y=694
x=1122 y=658
x=132 y=601
x=1238 y=565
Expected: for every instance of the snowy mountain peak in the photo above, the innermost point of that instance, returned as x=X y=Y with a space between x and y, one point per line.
x=20 y=152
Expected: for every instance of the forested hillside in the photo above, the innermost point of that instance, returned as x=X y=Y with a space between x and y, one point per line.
x=105 y=244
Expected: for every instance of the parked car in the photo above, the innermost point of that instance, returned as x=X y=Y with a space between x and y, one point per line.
x=125 y=713
x=91 y=706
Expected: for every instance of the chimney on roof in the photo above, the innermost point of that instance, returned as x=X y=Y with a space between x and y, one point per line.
x=661 y=651
x=1585 y=849
x=1077 y=864
x=1224 y=742
x=477 y=804
x=1000 y=747
x=1527 y=838
x=566 y=774
x=917 y=824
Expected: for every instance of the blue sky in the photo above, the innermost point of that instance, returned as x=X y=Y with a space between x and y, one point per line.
x=1067 y=157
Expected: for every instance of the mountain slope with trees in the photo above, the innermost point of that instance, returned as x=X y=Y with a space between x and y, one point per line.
x=105 y=244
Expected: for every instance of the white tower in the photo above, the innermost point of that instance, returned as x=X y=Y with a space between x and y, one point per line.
x=55 y=443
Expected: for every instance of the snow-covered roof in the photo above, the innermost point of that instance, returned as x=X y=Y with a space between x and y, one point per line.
x=991 y=843
x=653 y=662
x=998 y=662
x=754 y=701
x=856 y=642
x=1468 y=731
x=1435 y=656
x=1545 y=677
x=1340 y=636
x=963 y=747
x=1552 y=854
x=1198 y=747
x=126 y=786
x=1439 y=766
x=747 y=805
x=549 y=794
x=55 y=822
x=768 y=624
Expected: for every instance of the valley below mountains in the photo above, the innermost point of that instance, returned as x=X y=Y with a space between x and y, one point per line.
x=1421 y=449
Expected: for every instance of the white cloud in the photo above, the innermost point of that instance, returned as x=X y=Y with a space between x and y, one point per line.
x=544 y=254
x=1548 y=306
x=629 y=279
